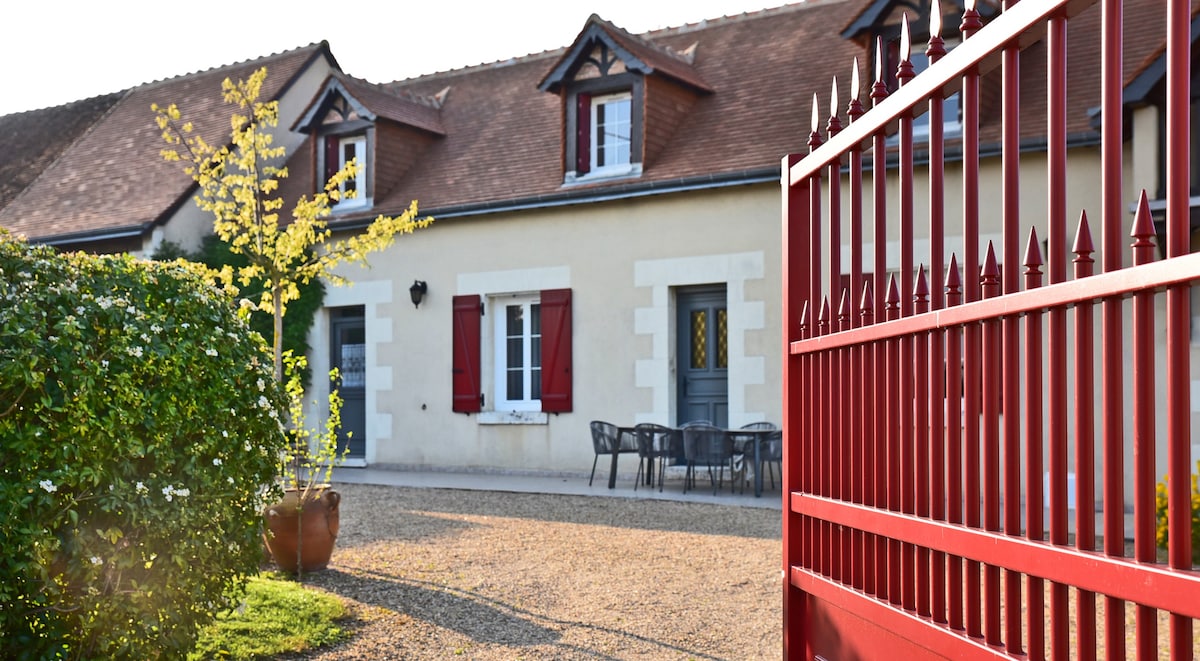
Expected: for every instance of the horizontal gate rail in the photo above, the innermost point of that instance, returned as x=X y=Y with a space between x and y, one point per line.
x=1123 y=283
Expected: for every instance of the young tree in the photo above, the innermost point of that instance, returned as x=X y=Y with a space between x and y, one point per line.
x=239 y=185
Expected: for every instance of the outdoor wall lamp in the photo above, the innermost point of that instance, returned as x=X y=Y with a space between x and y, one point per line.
x=417 y=292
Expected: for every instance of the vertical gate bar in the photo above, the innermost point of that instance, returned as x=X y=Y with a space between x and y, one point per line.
x=971 y=23
x=954 y=461
x=990 y=280
x=840 y=457
x=907 y=466
x=894 y=404
x=904 y=73
x=879 y=182
x=795 y=256
x=1179 y=512
x=1011 y=228
x=844 y=438
x=935 y=431
x=922 y=401
x=809 y=430
x=814 y=300
x=823 y=441
x=871 y=411
x=1056 y=53
x=879 y=211
x=854 y=110
x=1146 y=627
x=852 y=473
x=1032 y=405
x=1085 y=454
x=1112 y=367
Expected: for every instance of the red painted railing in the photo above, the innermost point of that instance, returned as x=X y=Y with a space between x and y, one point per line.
x=915 y=517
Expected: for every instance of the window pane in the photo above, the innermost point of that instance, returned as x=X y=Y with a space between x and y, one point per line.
x=722 y=339
x=516 y=323
x=536 y=385
x=613 y=131
x=515 y=385
x=699 y=339
x=516 y=355
x=349 y=152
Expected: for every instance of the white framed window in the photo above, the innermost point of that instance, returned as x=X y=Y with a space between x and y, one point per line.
x=611 y=132
x=518 y=353
x=353 y=148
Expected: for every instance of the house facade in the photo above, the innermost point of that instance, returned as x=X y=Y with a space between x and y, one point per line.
x=607 y=243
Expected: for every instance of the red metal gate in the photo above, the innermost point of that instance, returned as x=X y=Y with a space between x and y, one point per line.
x=921 y=413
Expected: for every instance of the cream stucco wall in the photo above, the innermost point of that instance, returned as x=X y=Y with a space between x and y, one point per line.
x=622 y=261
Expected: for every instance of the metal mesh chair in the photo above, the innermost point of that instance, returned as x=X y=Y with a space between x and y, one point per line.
x=771 y=453
x=607 y=439
x=655 y=442
x=742 y=443
x=709 y=446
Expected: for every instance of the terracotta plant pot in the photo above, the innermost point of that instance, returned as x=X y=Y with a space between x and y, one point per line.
x=302 y=536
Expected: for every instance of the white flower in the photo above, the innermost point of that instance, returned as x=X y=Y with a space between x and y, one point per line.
x=104 y=364
x=211 y=352
x=96 y=560
x=131 y=310
x=141 y=488
x=261 y=386
x=183 y=493
x=185 y=325
x=216 y=461
x=231 y=480
x=156 y=328
x=248 y=446
x=136 y=352
x=263 y=402
x=48 y=486
x=169 y=492
x=224 y=434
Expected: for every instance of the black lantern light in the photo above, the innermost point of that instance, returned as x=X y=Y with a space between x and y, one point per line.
x=417 y=292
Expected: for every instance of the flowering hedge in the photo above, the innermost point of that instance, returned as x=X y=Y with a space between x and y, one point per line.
x=139 y=420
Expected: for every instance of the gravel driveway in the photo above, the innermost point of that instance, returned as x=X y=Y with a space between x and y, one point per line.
x=441 y=574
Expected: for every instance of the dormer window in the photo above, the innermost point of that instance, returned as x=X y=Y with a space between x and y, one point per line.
x=611 y=132
x=610 y=82
x=350 y=148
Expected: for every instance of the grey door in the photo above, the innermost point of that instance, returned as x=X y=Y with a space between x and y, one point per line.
x=703 y=355
x=348 y=355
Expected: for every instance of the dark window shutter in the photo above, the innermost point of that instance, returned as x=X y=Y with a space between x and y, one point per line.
x=583 y=133
x=556 y=350
x=331 y=158
x=468 y=397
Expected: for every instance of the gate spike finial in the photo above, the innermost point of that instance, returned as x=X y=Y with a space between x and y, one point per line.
x=989 y=275
x=892 y=300
x=867 y=303
x=1033 y=253
x=1083 y=249
x=814 y=138
x=1143 y=232
x=823 y=317
x=904 y=71
x=844 y=308
x=970 y=20
x=937 y=46
x=953 y=282
x=879 y=89
x=921 y=290
x=804 y=318
x=854 y=109
x=835 y=124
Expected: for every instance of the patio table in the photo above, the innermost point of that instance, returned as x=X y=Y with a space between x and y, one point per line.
x=743 y=437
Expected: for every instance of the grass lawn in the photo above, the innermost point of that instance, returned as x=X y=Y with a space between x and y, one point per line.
x=278 y=615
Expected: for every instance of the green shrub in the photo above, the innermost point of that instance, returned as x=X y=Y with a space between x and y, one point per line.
x=1162 y=533
x=139 y=420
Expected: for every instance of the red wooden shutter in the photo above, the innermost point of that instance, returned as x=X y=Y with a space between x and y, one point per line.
x=556 y=350
x=583 y=133
x=331 y=158
x=468 y=397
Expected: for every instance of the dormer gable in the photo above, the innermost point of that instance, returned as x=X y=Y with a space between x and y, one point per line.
x=623 y=97
x=385 y=131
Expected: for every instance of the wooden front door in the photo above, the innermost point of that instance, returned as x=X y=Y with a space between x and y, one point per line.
x=348 y=355
x=703 y=355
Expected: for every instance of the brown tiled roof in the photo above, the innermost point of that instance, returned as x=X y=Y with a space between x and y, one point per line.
x=503 y=137
x=113 y=179
x=31 y=141
x=397 y=105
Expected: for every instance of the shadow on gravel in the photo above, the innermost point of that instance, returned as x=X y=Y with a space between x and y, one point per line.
x=456 y=610
x=485 y=620
x=395 y=524
x=667 y=516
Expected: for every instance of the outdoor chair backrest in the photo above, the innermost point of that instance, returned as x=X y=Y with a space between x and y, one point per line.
x=705 y=444
x=604 y=437
x=772 y=448
x=760 y=425
x=655 y=440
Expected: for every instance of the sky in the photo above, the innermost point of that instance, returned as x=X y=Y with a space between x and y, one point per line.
x=57 y=51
